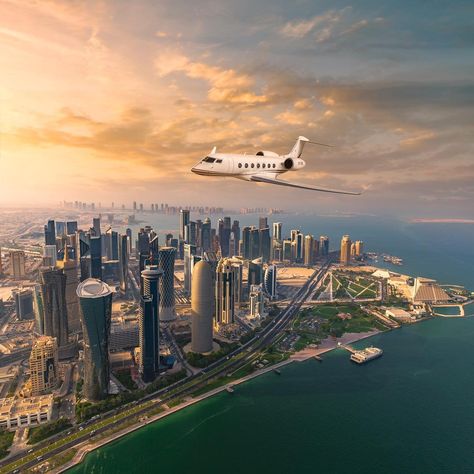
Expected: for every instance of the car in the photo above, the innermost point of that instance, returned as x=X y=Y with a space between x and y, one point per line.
x=39 y=458
x=30 y=451
x=81 y=428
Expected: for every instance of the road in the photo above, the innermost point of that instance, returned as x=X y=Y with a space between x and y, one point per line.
x=189 y=385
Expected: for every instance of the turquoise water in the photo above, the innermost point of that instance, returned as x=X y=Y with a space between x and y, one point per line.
x=411 y=411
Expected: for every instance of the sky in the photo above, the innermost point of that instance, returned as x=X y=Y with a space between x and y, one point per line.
x=107 y=101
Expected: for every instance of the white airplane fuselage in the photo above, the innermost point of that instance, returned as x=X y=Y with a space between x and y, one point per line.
x=263 y=167
x=246 y=166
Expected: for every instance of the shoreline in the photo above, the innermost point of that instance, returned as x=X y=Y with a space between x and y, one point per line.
x=326 y=346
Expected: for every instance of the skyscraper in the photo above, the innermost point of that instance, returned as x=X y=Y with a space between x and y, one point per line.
x=324 y=245
x=345 y=255
x=54 y=304
x=95 y=250
x=299 y=239
x=254 y=244
x=71 y=227
x=50 y=233
x=149 y=325
x=44 y=368
x=69 y=268
x=262 y=222
x=189 y=251
x=96 y=226
x=359 y=248
x=308 y=250
x=166 y=257
x=202 y=306
x=270 y=281
x=236 y=231
x=23 y=298
x=277 y=231
x=123 y=260
x=206 y=235
x=265 y=243
x=183 y=222
x=95 y=299
x=225 y=299
x=17 y=264
x=255 y=273
x=246 y=242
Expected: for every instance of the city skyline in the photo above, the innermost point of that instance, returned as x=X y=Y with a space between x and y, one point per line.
x=361 y=77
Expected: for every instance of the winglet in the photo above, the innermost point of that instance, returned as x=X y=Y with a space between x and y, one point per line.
x=213 y=150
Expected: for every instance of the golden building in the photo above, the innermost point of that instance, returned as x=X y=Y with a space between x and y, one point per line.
x=44 y=365
x=345 y=256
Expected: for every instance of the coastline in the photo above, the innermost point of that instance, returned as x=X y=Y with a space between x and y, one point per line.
x=326 y=346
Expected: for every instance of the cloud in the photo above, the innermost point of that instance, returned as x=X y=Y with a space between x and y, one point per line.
x=226 y=85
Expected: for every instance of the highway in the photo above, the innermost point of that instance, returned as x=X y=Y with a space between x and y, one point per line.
x=186 y=386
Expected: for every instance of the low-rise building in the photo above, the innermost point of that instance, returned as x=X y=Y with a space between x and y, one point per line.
x=400 y=315
x=25 y=412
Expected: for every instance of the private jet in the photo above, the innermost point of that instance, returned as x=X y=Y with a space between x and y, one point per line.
x=263 y=167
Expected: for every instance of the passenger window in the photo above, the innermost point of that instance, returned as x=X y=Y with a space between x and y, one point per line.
x=252 y=165
x=263 y=165
x=274 y=165
x=246 y=165
x=258 y=165
x=240 y=165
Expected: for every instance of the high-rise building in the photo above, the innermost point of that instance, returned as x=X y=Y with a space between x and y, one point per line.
x=190 y=233
x=50 y=255
x=149 y=324
x=96 y=226
x=206 y=235
x=17 y=264
x=299 y=247
x=71 y=227
x=255 y=273
x=50 y=233
x=128 y=232
x=225 y=299
x=234 y=250
x=254 y=244
x=95 y=299
x=270 y=281
x=345 y=255
x=256 y=301
x=308 y=253
x=324 y=245
x=246 y=242
x=95 y=251
x=202 y=308
x=277 y=231
x=183 y=222
x=265 y=243
x=1 y=267
x=60 y=229
x=359 y=248
x=69 y=268
x=111 y=244
x=189 y=251
x=262 y=222
x=54 y=304
x=166 y=258
x=23 y=298
x=123 y=260
x=44 y=373
x=287 y=250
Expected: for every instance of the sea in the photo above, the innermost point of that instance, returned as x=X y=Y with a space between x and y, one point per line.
x=410 y=411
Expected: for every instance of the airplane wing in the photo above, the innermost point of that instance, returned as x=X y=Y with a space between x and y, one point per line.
x=280 y=182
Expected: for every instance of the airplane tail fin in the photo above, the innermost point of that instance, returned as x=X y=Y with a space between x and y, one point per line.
x=297 y=149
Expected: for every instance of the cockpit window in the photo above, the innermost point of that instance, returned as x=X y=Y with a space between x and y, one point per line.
x=208 y=159
x=218 y=161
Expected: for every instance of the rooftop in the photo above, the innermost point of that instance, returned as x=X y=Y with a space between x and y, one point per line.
x=93 y=288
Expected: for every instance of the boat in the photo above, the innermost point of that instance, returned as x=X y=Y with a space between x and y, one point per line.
x=229 y=389
x=365 y=355
x=277 y=371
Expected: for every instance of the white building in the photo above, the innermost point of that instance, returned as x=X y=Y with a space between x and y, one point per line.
x=257 y=305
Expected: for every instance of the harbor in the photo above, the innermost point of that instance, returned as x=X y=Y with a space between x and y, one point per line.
x=361 y=356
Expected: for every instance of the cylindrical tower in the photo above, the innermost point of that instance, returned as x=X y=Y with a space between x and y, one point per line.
x=166 y=258
x=202 y=305
x=95 y=299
